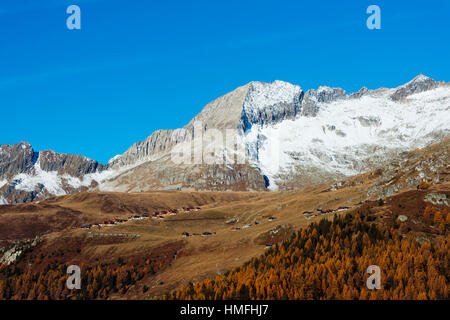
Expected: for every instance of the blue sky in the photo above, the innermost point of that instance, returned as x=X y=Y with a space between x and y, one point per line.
x=138 y=66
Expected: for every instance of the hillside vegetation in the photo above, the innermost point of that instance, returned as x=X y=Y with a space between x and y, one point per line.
x=328 y=260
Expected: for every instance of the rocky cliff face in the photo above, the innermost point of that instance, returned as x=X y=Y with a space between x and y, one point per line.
x=26 y=175
x=420 y=83
x=71 y=164
x=430 y=164
x=15 y=159
x=270 y=103
x=315 y=98
x=163 y=174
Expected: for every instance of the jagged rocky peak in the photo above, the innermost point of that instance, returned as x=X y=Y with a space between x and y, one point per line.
x=418 y=84
x=15 y=159
x=21 y=158
x=270 y=103
x=74 y=165
x=223 y=112
x=361 y=92
x=158 y=143
x=26 y=175
x=313 y=99
x=254 y=103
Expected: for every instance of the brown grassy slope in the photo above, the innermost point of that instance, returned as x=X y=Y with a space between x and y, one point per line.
x=24 y=221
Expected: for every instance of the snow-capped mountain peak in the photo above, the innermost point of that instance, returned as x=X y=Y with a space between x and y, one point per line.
x=291 y=137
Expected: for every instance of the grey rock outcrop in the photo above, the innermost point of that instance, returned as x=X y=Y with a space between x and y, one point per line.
x=11 y=254
x=428 y=164
x=356 y=95
x=15 y=159
x=271 y=103
x=313 y=98
x=438 y=198
x=20 y=161
x=420 y=83
x=74 y=165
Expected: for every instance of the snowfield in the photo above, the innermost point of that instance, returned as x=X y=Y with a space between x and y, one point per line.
x=346 y=131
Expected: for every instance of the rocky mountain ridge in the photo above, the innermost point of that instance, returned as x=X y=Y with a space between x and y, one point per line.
x=291 y=138
x=26 y=174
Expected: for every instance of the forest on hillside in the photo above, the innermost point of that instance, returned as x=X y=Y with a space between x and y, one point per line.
x=329 y=259
x=41 y=274
x=326 y=260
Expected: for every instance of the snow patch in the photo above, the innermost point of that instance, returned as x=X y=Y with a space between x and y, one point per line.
x=114 y=158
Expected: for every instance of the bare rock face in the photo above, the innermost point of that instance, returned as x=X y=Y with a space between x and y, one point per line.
x=271 y=103
x=255 y=104
x=418 y=84
x=10 y=255
x=158 y=143
x=369 y=121
x=429 y=164
x=164 y=174
x=74 y=165
x=313 y=98
x=224 y=112
x=356 y=95
x=14 y=159
x=16 y=195
x=26 y=175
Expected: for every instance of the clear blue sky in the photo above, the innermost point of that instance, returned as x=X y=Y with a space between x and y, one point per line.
x=137 y=66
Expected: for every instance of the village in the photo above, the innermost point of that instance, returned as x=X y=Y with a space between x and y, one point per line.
x=161 y=215
x=157 y=215
x=307 y=214
x=319 y=212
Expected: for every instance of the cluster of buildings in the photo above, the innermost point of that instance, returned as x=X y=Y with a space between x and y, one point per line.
x=319 y=212
x=159 y=215
x=115 y=221
x=250 y=224
x=204 y=234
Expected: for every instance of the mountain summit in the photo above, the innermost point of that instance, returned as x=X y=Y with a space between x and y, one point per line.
x=418 y=84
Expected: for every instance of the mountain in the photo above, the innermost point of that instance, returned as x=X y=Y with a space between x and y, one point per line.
x=26 y=175
x=261 y=136
x=293 y=138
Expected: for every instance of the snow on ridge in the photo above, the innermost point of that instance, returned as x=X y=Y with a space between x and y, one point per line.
x=114 y=158
x=50 y=179
x=55 y=183
x=421 y=77
x=262 y=95
x=345 y=130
